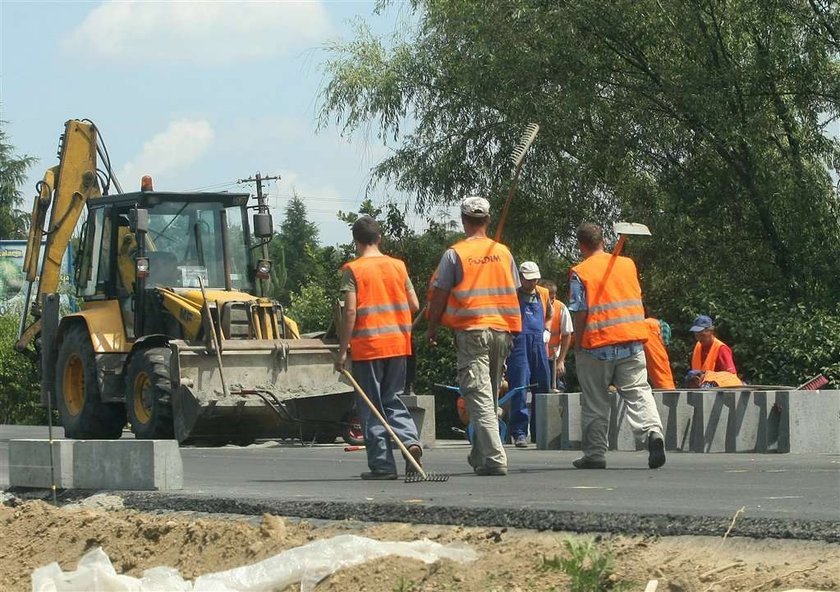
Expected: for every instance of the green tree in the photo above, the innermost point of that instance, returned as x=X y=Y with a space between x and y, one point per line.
x=705 y=120
x=13 y=168
x=296 y=245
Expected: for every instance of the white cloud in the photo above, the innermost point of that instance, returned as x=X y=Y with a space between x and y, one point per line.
x=204 y=33
x=182 y=143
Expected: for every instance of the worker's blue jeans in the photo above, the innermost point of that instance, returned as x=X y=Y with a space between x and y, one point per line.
x=526 y=364
x=383 y=380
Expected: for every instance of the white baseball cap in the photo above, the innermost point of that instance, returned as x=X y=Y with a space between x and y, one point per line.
x=475 y=207
x=530 y=270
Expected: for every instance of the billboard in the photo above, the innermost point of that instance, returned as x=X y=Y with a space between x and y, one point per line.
x=12 y=277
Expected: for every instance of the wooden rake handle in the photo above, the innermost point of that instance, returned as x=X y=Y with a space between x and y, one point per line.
x=379 y=416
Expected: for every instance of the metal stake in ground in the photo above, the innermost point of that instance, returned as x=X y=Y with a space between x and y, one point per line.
x=420 y=475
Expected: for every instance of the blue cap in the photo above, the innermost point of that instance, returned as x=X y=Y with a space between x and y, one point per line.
x=702 y=323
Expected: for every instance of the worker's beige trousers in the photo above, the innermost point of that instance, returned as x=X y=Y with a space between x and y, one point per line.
x=481 y=355
x=629 y=375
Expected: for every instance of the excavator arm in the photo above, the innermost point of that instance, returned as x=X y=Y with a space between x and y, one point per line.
x=63 y=194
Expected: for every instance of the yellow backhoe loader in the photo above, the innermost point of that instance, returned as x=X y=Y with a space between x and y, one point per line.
x=172 y=335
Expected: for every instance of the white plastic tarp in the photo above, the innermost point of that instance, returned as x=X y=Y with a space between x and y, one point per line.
x=308 y=564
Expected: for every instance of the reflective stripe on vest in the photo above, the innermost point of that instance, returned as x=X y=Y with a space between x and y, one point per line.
x=383 y=316
x=485 y=298
x=656 y=358
x=709 y=362
x=614 y=301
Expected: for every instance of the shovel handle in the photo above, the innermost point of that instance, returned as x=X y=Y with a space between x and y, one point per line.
x=619 y=245
x=378 y=415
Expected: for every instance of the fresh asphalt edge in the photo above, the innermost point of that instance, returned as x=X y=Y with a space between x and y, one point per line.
x=540 y=520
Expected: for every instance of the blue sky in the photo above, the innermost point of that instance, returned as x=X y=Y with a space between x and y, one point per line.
x=197 y=94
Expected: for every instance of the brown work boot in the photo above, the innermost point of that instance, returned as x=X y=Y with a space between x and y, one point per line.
x=417 y=453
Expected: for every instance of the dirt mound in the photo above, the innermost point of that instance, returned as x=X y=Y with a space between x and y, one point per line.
x=34 y=534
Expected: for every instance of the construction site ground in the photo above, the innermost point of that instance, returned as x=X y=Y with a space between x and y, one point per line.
x=241 y=505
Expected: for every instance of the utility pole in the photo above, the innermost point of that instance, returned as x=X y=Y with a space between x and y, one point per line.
x=262 y=208
x=258 y=179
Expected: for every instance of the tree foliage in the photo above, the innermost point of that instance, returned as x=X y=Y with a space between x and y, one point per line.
x=704 y=120
x=13 y=220
x=295 y=249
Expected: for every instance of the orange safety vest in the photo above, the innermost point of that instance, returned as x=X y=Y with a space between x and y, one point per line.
x=383 y=315
x=722 y=378
x=614 y=299
x=486 y=296
x=543 y=294
x=698 y=363
x=554 y=341
x=656 y=356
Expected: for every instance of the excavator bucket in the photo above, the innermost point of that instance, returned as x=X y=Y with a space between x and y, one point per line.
x=272 y=389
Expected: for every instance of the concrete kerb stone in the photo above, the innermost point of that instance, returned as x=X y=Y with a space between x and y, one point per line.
x=709 y=421
x=422 y=409
x=809 y=421
x=29 y=463
x=97 y=464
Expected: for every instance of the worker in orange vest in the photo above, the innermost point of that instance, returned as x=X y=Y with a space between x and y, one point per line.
x=475 y=295
x=610 y=332
x=560 y=340
x=710 y=353
x=378 y=301
x=712 y=379
x=656 y=357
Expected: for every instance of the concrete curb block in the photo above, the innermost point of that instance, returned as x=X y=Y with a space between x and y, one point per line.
x=97 y=464
x=708 y=421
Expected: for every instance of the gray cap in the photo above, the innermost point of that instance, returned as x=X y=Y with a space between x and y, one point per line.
x=475 y=207
x=529 y=270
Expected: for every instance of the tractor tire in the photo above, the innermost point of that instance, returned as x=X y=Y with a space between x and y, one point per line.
x=148 y=394
x=83 y=413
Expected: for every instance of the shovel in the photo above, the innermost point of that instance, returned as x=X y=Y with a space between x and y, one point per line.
x=625 y=229
x=420 y=474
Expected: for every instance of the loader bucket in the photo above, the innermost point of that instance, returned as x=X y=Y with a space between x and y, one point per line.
x=275 y=389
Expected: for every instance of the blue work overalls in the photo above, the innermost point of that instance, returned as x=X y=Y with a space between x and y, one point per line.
x=527 y=364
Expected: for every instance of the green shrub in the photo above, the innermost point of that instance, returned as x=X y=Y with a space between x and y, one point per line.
x=19 y=386
x=587 y=566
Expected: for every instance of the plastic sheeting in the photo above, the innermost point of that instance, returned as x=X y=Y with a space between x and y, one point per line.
x=308 y=564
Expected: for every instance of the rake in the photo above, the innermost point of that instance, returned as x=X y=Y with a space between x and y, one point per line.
x=518 y=156
x=416 y=477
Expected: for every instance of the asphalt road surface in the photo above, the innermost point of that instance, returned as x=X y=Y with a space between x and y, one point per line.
x=789 y=491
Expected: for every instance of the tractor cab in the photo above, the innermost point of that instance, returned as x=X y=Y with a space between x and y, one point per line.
x=137 y=248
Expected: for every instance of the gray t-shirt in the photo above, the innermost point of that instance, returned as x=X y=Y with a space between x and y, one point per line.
x=348 y=282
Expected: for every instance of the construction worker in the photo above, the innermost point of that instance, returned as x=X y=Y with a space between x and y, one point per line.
x=608 y=316
x=656 y=357
x=710 y=353
x=561 y=336
x=528 y=360
x=378 y=302
x=474 y=294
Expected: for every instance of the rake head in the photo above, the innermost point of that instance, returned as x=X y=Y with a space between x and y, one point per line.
x=415 y=477
x=525 y=142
